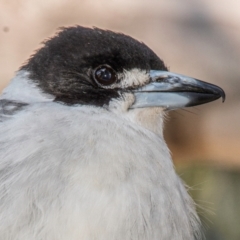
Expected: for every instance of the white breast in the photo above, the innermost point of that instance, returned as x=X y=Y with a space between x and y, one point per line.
x=71 y=173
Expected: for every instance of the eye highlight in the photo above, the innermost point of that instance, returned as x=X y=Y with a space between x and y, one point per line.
x=104 y=75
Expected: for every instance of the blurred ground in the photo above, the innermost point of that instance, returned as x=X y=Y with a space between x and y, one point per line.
x=199 y=38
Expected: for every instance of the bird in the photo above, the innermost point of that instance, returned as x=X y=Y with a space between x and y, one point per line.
x=82 y=151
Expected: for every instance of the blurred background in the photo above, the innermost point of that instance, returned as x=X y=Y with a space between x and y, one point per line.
x=199 y=38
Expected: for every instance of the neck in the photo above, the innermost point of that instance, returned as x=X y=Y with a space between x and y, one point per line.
x=23 y=89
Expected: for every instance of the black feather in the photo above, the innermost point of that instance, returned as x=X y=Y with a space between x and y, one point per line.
x=63 y=67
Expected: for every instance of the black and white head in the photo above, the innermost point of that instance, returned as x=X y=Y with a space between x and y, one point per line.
x=105 y=69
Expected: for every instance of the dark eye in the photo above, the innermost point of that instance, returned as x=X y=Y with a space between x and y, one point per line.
x=105 y=75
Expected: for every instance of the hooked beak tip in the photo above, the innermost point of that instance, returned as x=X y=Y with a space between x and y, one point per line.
x=223 y=97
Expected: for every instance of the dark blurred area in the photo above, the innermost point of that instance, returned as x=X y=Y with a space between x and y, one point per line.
x=199 y=38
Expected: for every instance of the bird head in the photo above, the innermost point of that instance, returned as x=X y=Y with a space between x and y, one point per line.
x=105 y=69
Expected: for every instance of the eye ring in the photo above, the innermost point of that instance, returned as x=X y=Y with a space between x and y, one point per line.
x=104 y=75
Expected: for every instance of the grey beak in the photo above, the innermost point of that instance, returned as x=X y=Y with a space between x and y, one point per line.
x=171 y=91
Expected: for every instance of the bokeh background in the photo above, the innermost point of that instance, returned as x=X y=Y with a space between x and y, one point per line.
x=199 y=38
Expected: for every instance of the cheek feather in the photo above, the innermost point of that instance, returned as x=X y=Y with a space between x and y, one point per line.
x=122 y=104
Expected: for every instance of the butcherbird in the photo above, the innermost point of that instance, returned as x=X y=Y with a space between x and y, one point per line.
x=82 y=153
